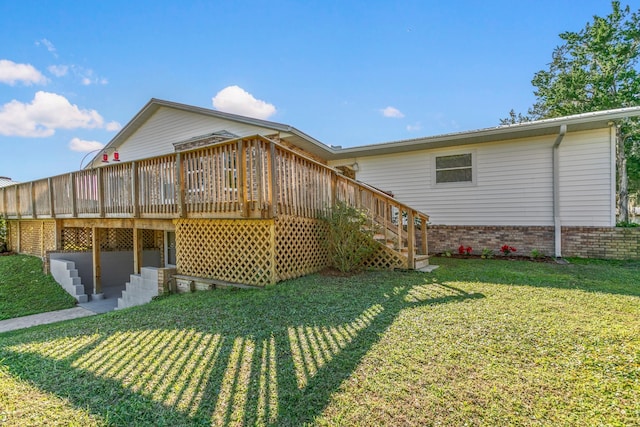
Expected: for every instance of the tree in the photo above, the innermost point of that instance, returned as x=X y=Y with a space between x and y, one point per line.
x=596 y=69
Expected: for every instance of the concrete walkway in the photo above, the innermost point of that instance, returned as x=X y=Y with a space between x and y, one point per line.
x=44 y=318
x=90 y=308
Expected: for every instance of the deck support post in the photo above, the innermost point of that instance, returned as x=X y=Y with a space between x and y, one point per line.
x=137 y=250
x=97 y=270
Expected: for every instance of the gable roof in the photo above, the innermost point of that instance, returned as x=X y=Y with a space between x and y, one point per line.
x=586 y=121
x=291 y=134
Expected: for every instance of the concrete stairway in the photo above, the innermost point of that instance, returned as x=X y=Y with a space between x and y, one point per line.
x=140 y=289
x=66 y=274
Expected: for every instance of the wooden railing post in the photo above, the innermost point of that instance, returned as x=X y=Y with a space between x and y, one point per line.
x=52 y=206
x=100 y=190
x=411 y=239
x=74 y=195
x=423 y=230
x=135 y=191
x=32 y=194
x=18 y=213
x=242 y=173
x=182 y=208
x=271 y=181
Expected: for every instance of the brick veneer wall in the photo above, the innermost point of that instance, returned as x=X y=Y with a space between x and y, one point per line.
x=588 y=242
x=601 y=242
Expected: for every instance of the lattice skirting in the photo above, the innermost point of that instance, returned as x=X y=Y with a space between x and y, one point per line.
x=260 y=252
x=238 y=251
x=32 y=237
x=111 y=239
x=300 y=246
x=385 y=258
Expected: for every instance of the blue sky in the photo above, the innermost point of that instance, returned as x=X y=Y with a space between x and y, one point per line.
x=345 y=72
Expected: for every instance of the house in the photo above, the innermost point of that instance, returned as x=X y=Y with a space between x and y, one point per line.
x=211 y=198
x=548 y=185
x=202 y=198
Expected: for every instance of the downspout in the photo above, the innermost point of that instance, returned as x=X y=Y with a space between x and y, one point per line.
x=556 y=192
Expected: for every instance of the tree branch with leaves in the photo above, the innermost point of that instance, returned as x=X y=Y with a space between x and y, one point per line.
x=596 y=69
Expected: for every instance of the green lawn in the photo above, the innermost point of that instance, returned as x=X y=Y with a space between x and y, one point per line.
x=25 y=290
x=478 y=342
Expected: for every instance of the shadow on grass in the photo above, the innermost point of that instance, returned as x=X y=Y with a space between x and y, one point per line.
x=605 y=276
x=270 y=357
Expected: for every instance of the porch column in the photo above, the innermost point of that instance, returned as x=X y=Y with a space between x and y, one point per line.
x=97 y=273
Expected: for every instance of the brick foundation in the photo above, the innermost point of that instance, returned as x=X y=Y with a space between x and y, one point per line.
x=601 y=242
x=587 y=242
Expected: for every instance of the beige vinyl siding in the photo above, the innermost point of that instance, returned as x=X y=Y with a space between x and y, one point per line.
x=513 y=184
x=585 y=179
x=167 y=126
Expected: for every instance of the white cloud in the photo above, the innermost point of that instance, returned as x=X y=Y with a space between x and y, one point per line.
x=83 y=146
x=234 y=99
x=58 y=70
x=46 y=113
x=10 y=73
x=88 y=77
x=50 y=47
x=113 y=126
x=392 y=112
x=415 y=127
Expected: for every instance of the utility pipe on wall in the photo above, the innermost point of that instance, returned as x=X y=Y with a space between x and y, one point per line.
x=556 y=192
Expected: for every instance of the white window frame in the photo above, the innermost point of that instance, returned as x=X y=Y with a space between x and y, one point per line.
x=474 y=169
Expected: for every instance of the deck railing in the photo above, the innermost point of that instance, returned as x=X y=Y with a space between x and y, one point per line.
x=251 y=177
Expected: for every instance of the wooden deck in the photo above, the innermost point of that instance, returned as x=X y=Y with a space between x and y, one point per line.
x=246 y=178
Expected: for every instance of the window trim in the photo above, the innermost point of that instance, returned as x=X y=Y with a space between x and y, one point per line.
x=474 y=169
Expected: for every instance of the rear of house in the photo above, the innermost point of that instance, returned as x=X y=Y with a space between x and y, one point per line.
x=502 y=185
x=207 y=197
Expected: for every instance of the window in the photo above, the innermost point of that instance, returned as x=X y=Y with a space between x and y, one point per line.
x=455 y=168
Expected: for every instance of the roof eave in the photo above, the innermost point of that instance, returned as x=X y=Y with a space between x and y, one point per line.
x=574 y=123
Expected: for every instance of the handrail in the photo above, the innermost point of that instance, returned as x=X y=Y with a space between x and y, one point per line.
x=248 y=177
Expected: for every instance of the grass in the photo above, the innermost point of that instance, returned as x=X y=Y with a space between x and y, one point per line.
x=478 y=342
x=25 y=290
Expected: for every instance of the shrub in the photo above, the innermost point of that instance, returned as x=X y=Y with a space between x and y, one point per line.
x=627 y=224
x=3 y=235
x=535 y=254
x=486 y=253
x=349 y=242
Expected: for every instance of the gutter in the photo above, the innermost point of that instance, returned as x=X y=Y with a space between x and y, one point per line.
x=556 y=192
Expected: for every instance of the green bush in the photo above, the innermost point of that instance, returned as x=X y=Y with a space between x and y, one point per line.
x=350 y=242
x=3 y=235
x=627 y=224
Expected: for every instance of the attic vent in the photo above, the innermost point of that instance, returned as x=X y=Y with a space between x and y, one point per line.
x=204 y=140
